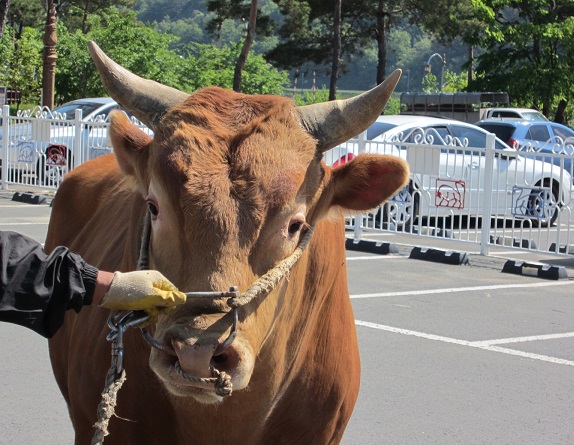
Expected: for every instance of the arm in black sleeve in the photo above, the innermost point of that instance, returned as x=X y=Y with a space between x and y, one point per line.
x=37 y=289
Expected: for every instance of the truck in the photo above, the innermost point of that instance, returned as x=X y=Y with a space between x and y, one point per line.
x=466 y=107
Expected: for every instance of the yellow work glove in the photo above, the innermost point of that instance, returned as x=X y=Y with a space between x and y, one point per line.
x=146 y=290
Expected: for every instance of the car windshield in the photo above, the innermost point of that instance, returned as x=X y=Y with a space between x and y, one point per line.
x=534 y=116
x=377 y=129
x=69 y=109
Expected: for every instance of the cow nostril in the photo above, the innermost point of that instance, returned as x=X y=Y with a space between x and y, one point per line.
x=220 y=359
x=227 y=360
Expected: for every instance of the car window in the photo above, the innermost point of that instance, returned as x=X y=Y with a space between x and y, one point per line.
x=534 y=116
x=104 y=114
x=538 y=133
x=475 y=138
x=69 y=109
x=437 y=134
x=562 y=132
x=502 y=131
x=377 y=129
x=505 y=114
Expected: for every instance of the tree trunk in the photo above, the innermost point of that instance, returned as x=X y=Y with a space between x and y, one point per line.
x=559 y=118
x=381 y=42
x=85 y=17
x=336 y=50
x=237 y=76
x=470 y=71
x=4 y=8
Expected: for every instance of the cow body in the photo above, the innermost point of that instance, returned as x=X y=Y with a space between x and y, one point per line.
x=231 y=183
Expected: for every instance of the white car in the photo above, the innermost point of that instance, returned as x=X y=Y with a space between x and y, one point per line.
x=42 y=145
x=515 y=113
x=447 y=162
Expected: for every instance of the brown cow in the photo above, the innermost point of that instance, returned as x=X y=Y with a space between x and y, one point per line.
x=232 y=183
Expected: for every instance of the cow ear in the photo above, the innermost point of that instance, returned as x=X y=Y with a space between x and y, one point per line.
x=367 y=181
x=130 y=144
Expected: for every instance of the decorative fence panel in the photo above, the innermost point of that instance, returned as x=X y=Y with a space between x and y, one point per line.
x=485 y=196
x=39 y=148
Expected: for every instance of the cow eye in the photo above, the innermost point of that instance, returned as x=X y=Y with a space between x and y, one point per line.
x=152 y=209
x=295 y=225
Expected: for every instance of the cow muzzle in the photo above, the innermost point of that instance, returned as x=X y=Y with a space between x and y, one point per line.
x=200 y=357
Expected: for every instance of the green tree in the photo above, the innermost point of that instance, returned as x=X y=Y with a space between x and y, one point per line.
x=75 y=13
x=211 y=65
x=21 y=61
x=147 y=53
x=135 y=46
x=528 y=51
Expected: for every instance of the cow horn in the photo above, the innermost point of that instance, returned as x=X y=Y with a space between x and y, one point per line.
x=335 y=122
x=145 y=99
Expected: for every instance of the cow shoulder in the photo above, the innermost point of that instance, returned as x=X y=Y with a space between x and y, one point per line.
x=80 y=194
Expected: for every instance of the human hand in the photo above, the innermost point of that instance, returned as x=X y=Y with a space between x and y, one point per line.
x=146 y=290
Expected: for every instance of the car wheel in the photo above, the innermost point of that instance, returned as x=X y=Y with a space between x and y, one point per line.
x=402 y=211
x=543 y=205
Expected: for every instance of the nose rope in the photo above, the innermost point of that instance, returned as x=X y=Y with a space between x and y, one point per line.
x=220 y=380
x=267 y=282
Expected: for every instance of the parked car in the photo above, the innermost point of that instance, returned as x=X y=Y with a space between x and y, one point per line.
x=42 y=148
x=451 y=178
x=543 y=137
x=515 y=113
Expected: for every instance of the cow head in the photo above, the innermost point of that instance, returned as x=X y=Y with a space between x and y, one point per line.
x=232 y=182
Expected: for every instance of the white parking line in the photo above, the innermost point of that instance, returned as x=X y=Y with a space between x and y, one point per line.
x=25 y=223
x=485 y=345
x=503 y=341
x=463 y=289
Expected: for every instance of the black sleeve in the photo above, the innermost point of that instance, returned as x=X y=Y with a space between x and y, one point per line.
x=37 y=289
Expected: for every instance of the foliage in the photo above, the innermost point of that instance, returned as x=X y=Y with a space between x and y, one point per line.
x=21 y=61
x=309 y=97
x=138 y=48
x=529 y=51
x=76 y=12
x=215 y=66
x=430 y=83
x=453 y=82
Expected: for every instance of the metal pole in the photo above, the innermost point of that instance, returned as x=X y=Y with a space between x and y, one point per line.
x=487 y=195
x=49 y=56
x=4 y=147
x=443 y=58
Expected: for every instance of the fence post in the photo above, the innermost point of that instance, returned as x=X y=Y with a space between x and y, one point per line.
x=361 y=148
x=77 y=151
x=487 y=194
x=5 y=145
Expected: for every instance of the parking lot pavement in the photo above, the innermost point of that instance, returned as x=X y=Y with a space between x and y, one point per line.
x=450 y=354
x=460 y=354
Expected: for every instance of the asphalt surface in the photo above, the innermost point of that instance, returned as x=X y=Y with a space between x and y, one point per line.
x=450 y=354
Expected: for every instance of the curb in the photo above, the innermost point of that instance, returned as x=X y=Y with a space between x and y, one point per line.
x=535 y=270
x=440 y=256
x=513 y=242
x=371 y=246
x=29 y=198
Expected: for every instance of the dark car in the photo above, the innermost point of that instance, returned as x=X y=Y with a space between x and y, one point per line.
x=548 y=138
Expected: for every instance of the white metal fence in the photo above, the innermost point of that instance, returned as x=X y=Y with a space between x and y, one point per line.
x=453 y=187
x=39 y=148
x=455 y=190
